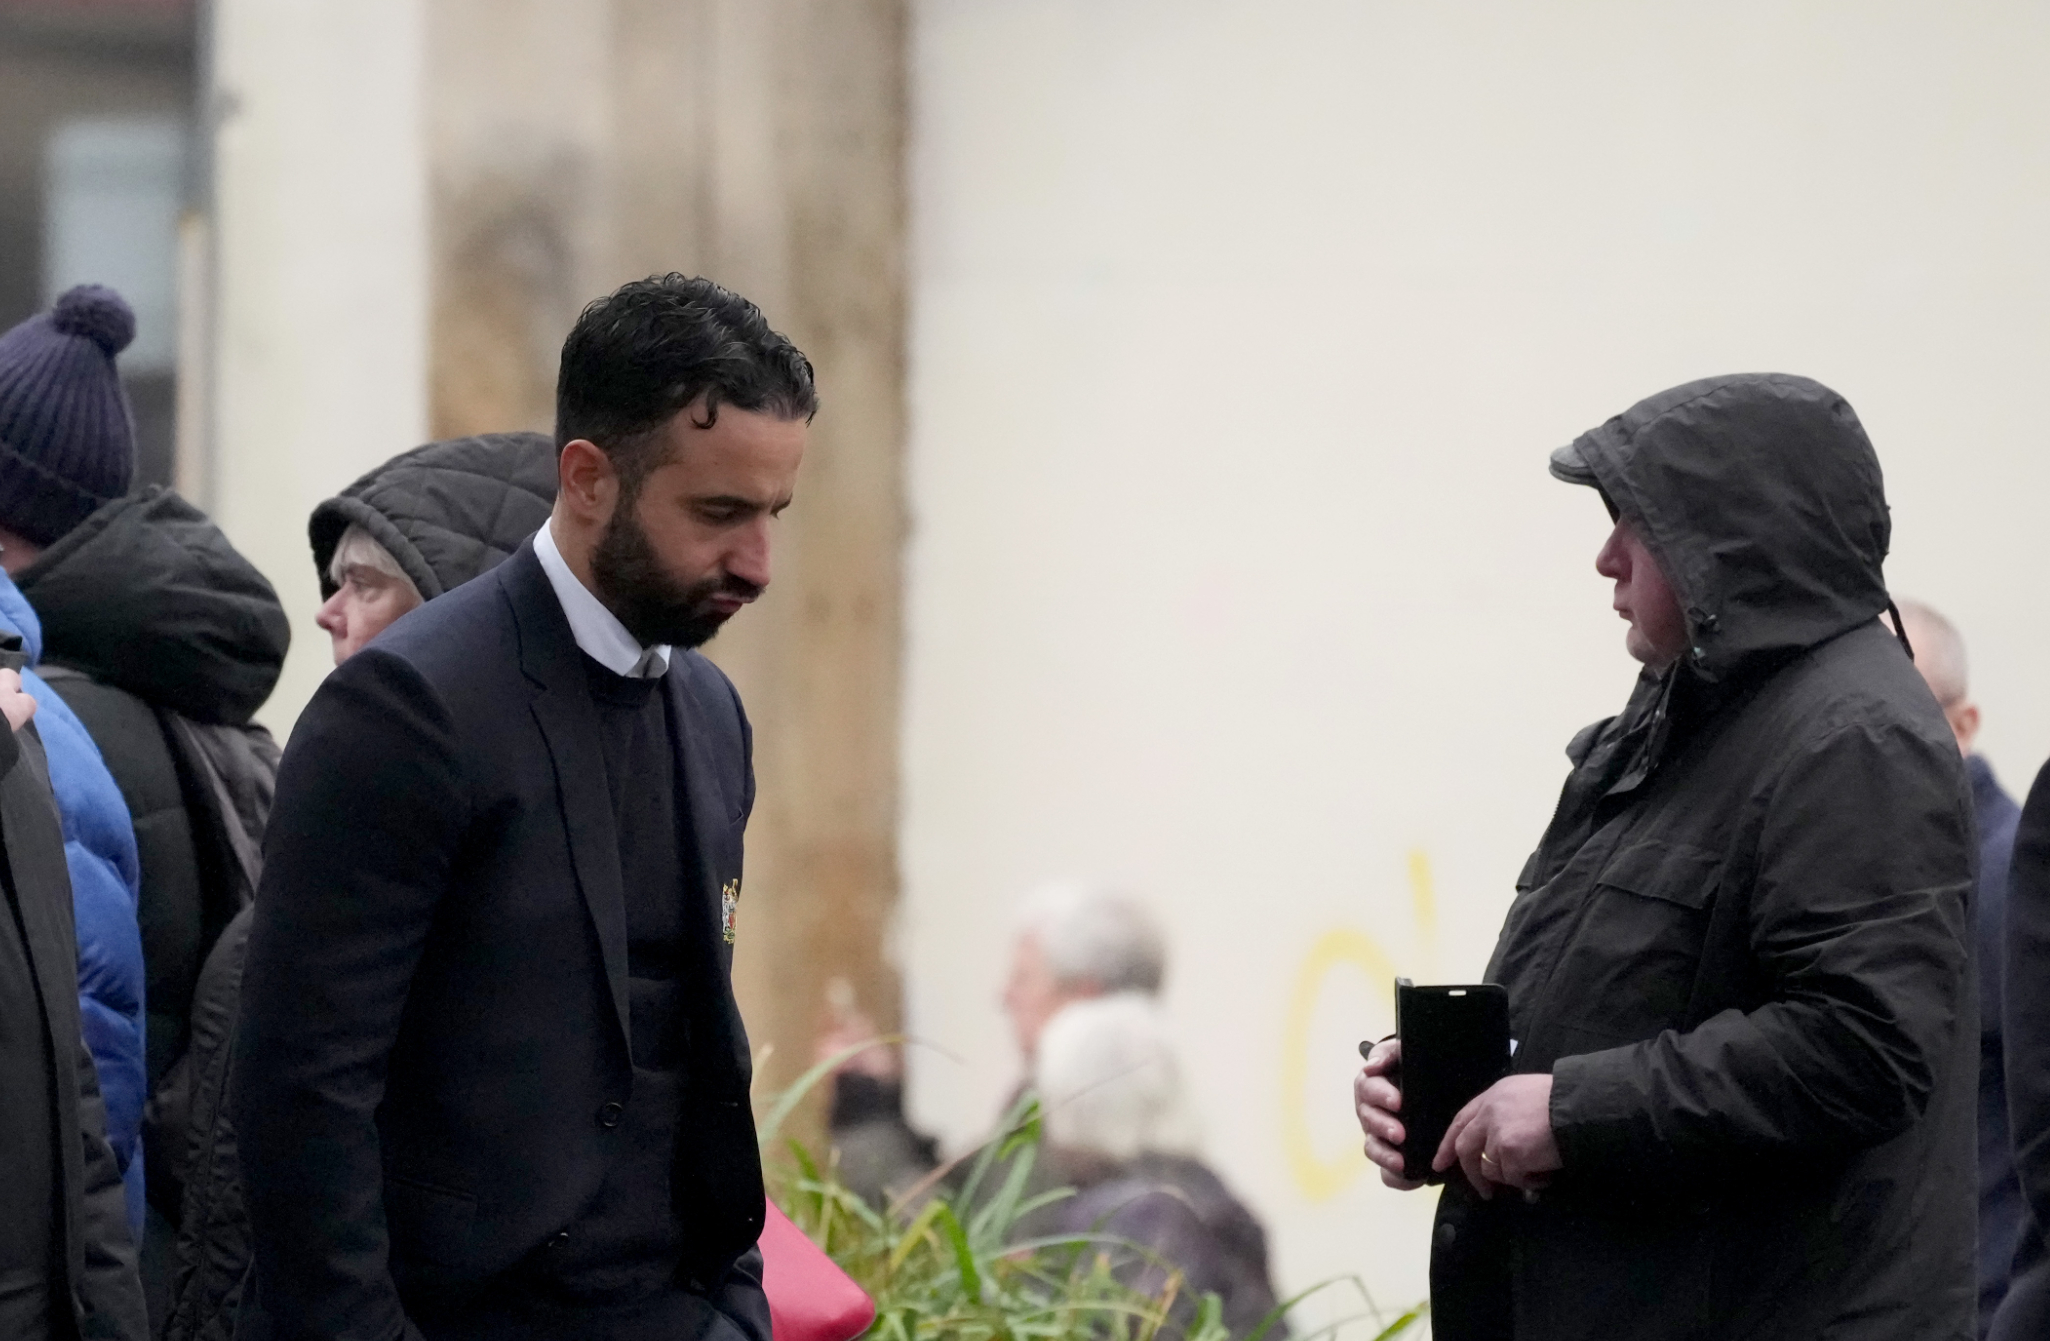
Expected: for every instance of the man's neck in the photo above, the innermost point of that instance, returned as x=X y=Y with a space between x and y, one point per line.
x=575 y=550
x=598 y=629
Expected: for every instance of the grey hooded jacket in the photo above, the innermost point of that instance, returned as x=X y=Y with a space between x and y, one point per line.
x=1742 y=947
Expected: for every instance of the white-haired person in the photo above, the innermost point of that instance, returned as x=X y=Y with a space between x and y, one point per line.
x=422 y=524
x=1119 y=1129
x=1074 y=941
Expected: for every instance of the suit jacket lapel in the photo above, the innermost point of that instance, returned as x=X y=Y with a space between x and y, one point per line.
x=569 y=724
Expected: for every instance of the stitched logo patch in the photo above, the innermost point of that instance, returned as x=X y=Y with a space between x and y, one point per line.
x=729 y=908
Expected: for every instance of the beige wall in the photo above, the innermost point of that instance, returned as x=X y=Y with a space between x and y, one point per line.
x=1241 y=333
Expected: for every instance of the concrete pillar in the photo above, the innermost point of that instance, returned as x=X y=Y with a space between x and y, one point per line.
x=575 y=144
x=319 y=330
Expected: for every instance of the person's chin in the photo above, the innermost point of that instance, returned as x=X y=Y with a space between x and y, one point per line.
x=699 y=629
x=709 y=622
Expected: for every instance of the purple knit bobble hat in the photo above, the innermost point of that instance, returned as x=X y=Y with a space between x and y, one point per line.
x=67 y=440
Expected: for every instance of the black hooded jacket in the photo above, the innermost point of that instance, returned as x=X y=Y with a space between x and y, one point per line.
x=165 y=641
x=155 y=611
x=1742 y=948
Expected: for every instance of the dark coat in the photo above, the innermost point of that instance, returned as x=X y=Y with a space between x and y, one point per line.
x=2001 y=1209
x=1184 y=1218
x=434 y=1023
x=2025 y=1311
x=1742 y=948
x=210 y=1270
x=99 y=852
x=151 y=617
x=48 y=1064
x=149 y=601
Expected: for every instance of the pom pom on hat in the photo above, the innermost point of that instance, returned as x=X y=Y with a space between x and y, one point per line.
x=67 y=440
x=98 y=313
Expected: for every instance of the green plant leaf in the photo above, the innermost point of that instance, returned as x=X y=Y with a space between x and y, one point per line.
x=1021 y=1121
x=971 y=1275
x=907 y=1243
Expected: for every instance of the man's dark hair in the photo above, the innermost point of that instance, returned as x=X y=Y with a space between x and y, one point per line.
x=638 y=356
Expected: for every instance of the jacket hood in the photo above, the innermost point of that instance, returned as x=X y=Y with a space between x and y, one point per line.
x=1761 y=498
x=446 y=512
x=18 y=617
x=147 y=595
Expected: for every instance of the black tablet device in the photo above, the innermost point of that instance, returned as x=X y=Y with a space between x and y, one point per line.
x=1455 y=1043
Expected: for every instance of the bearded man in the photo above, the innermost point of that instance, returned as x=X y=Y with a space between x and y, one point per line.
x=490 y=1078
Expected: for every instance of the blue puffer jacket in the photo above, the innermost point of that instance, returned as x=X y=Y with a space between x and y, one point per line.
x=99 y=847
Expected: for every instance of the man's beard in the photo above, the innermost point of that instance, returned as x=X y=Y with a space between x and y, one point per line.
x=656 y=608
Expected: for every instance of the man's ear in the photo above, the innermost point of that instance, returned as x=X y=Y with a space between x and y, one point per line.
x=586 y=481
x=1964 y=724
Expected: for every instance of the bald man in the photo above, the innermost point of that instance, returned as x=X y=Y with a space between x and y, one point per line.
x=1940 y=656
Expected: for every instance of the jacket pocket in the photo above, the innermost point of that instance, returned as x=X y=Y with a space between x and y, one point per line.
x=1630 y=969
x=1653 y=868
x=428 y=1222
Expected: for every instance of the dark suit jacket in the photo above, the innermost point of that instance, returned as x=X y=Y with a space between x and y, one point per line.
x=2024 y=1313
x=2001 y=1208
x=434 y=1019
x=97 y=1291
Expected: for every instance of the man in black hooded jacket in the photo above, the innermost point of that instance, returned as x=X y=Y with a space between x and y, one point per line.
x=1738 y=964
x=165 y=641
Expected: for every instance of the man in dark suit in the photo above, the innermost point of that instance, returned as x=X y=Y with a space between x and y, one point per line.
x=2024 y=1313
x=491 y=1080
x=1940 y=656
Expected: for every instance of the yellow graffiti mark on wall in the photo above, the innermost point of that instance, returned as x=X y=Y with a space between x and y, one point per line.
x=1318 y=1177
x=1425 y=898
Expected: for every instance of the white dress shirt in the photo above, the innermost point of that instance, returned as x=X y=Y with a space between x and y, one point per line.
x=597 y=630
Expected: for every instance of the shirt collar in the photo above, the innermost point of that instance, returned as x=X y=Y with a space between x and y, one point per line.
x=597 y=630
